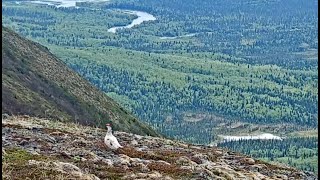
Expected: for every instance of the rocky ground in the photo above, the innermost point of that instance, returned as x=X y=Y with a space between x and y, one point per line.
x=41 y=149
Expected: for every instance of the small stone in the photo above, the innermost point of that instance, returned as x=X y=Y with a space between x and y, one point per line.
x=200 y=158
x=257 y=167
x=56 y=133
x=26 y=116
x=184 y=161
x=164 y=162
x=249 y=161
x=167 y=178
x=123 y=160
x=155 y=175
x=65 y=154
x=217 y=152
x=37 y=150
x=23 y=142
x=300 y=174
x=67 y=167
x=34 y=153
x=138 y=136
x=3 y=152
x=195 y=147
x=187 y=167
x=33 y=162
x=50 y=139
x=5 y=116
x=107 y=161
x=134 y=143
x=281 y=176
x=143 y=168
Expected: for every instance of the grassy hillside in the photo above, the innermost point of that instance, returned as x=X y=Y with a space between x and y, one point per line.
x=36 y=83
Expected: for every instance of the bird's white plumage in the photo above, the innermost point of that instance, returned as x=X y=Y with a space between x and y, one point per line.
x=110 y=140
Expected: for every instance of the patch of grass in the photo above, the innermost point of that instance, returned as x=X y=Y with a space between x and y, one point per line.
x=306 y=133
x=101 y=170
x=172 y=170
x=131 y=152
x=19 y=156
x=170 y=156
x=15 y=166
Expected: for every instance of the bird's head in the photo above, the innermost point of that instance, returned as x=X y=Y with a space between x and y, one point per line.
x=108 y=125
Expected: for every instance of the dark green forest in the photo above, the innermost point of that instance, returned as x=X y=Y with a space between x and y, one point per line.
x=301 y=152
x=262 y=32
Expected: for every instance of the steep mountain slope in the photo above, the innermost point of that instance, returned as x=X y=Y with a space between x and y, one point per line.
x=40 y=149
x=36 y=83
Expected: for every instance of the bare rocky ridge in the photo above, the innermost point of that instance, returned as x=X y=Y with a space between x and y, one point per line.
x=38 y=149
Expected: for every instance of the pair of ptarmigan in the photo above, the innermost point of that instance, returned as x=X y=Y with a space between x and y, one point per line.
x=110 y=140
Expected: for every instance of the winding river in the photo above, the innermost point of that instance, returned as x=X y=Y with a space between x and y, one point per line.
x=64 y=3
x=142 y=17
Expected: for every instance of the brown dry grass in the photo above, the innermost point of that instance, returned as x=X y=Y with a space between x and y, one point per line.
x=167 y=169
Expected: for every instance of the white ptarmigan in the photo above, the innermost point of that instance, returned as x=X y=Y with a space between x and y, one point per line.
x=110 y=140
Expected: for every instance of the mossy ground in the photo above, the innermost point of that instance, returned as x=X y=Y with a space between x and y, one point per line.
x=15 y=166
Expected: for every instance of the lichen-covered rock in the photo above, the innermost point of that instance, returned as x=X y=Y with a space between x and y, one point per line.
x=257 y=167
x=62 y=167
x=249 y=161
x=134 y=143
x=185 y=161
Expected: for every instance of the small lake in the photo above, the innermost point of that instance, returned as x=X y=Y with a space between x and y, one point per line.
x=142 y=17
x=251 y=137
